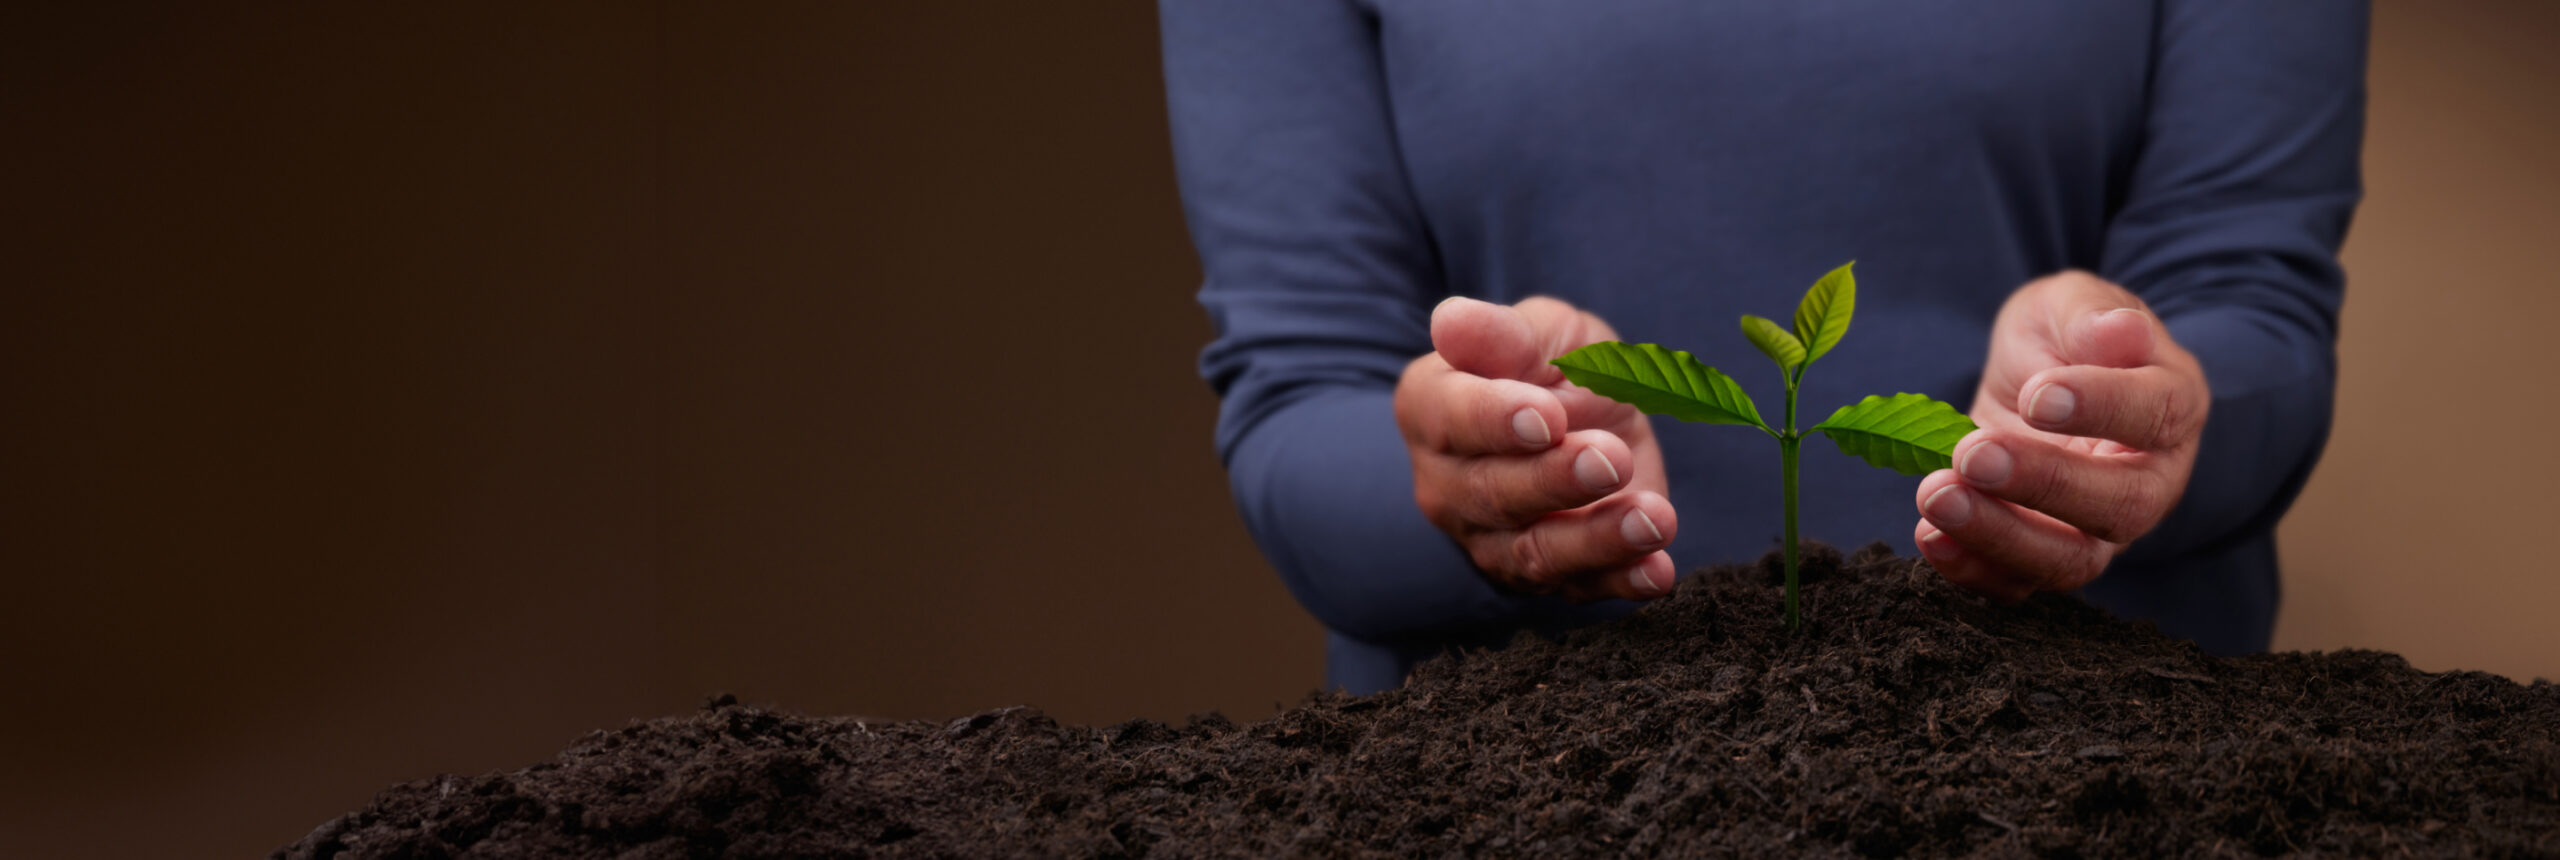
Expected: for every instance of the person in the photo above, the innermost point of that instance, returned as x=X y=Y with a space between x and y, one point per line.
x=2109 y=227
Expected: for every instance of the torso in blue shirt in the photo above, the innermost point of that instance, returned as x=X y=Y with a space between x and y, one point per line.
x=1671 y=166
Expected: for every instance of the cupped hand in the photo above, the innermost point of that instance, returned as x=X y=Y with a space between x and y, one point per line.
x=1550 y=488
x=2090 y=415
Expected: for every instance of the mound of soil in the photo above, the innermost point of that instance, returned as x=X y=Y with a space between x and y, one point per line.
x=1910 y=719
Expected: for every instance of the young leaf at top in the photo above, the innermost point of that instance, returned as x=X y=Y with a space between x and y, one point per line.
x=1908 y=433
x=1660 y=381
x=1823 y=316
x=1774 y=341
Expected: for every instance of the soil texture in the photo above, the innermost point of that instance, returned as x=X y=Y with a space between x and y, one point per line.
x=1908 y=719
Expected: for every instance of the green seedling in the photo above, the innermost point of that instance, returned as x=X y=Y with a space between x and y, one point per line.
x=1908 y=433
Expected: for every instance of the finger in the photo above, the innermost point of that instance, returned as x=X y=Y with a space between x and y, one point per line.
x=1513 y=342
x=1559 y=327
x=1966 y=571
x=2114 y=337
x=1969 y=571
x=1960 y=570
x=2091 y=321
x=1490 y=340
x=1503 y=491
x=1591 y=552
x=2144 y=408
x=1649 y=578
x=2015 y=547
x=2114 y=498
x=1443 y=409
x=1586 y=410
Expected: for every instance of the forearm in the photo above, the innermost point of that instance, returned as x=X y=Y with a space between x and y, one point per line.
x=1326 y=486
x=2230 y=230
x=2273 y=387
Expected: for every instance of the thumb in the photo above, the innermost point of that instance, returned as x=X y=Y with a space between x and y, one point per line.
x=2115 y=337
x=1489 y=340
x=2095 y=322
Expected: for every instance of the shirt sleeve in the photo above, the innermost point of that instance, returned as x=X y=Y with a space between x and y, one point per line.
x=1319 y=278
x=2230 y=228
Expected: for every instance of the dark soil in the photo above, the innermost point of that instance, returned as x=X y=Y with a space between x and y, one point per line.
x=1911 y=720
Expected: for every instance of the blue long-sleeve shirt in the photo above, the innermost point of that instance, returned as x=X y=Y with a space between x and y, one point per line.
x=1673 y=164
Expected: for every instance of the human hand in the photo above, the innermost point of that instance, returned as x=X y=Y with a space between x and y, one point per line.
x=1549 y=487
x=2089 y=416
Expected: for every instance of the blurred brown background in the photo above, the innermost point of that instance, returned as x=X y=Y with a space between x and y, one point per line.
x=399 y=390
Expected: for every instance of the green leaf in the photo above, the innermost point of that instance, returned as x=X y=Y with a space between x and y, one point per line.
x=1908 y=433
x=1774 y=341
x=1660 y=381
x=1823 y=316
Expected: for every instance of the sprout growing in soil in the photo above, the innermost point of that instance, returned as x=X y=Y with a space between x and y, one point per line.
x=1908 y=433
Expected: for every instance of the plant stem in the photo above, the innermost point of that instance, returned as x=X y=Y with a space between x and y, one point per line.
x=1787 y=463
x=1788 y=443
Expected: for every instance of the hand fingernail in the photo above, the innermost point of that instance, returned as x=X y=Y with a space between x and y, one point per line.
x=1938 y=548
x=2052 y=404
x=1641 y=581
x=1593 y=468
x=1531 y=427
x=1987 y=464
x=1949 y=507
x=1638 y=529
